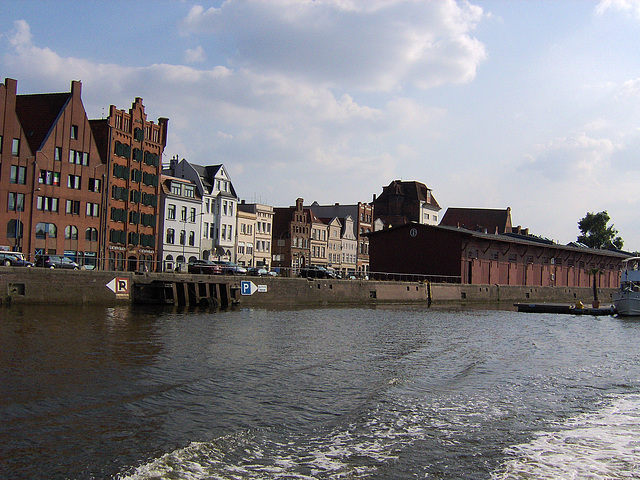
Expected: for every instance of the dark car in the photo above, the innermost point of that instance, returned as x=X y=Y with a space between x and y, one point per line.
x=257 y=271
x=14 y=259
x=205 y=267
x=230 y=268
x=316 y=271
x=57 y=261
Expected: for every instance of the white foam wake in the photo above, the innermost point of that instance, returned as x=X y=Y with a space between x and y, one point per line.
x=599 y=445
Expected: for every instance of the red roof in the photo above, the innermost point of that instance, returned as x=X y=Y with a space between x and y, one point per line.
x=478 y=219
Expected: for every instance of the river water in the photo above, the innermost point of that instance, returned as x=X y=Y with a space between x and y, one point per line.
x=400 y=392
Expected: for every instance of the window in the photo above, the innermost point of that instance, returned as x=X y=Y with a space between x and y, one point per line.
x=78 y=158
x=183 y=235
x=93 y=209
x=73 y=207
x=189 y=191
x=48 y=177
x=91 y=234
x=192 y=215
x=205 y=231
x=183 y=214
x=71 y=232
x=15 y=147
x=18 y=175
x=192 y=238
x=176 y=188
x=0 y=143
x=46 y=229
x=57 y=154
x=16 y=202
x=135 y=196
x=74 y=132
x=171 y=212
x=48 y=204
x=94 y=185
x=171 y=233
x=225 y=206
x=74 y=182
x=118 y=215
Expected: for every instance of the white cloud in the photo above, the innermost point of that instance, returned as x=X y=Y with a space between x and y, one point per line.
x=375 y=46
x=629 y=7
x=195 y=55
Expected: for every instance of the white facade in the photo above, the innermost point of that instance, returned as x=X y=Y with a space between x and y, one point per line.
x=255 y=223
x=181 y=208
x=349 y=247
x=219 y=207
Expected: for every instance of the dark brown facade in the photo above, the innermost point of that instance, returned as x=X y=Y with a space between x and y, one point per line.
x=131 y=147
x=51 y=175
x=291 y=237
x=448 y=254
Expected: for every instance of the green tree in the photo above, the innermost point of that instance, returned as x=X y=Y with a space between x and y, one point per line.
x=596 y=233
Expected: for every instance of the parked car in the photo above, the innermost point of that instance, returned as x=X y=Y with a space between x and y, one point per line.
x=261 y=272
x=204 y=267
x=14 y=259
x=57 y=261
x=316 y=271
x=230 y=268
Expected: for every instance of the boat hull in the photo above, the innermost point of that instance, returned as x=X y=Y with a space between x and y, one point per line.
x=627 y=303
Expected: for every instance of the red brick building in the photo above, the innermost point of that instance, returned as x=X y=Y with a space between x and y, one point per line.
x=51 y=175
x=448 y=254
x=131 y=147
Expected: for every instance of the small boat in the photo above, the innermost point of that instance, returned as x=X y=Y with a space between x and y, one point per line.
x=627 y=298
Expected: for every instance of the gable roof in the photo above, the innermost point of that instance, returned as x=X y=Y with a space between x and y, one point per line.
x=486 y=220
x=38 y=114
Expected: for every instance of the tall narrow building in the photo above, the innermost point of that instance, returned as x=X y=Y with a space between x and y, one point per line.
x=131 y=147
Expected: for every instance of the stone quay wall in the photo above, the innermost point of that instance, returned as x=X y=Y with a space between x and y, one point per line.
x=54 y=286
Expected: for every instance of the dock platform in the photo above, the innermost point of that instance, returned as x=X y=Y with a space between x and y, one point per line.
x=566 y=308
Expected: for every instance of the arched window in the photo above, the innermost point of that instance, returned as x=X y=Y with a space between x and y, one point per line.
x=91 y=234
x=44 y=230
x=192 y=258
x=168 y=263
x=71 y=232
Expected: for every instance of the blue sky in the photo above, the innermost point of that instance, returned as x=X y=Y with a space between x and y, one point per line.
x=533 y=105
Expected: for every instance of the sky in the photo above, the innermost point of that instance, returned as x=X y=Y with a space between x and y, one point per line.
x=533 y=105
